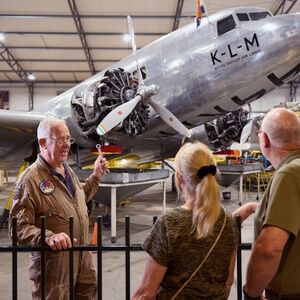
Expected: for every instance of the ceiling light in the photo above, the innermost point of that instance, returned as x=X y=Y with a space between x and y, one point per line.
x=126 y=37
x=31 y=77
x=2 y=37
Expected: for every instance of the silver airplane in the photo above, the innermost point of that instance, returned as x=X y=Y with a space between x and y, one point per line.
x=190 y=83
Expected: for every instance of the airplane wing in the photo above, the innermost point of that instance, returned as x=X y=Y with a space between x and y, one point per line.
x=19 y=119
x=17 y=131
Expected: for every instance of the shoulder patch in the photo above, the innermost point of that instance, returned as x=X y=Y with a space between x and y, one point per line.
x=47 y=187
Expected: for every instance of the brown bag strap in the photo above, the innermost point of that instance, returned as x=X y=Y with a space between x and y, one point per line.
x=203 y=261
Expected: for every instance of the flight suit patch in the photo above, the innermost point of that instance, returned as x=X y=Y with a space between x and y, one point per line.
x=47 y=187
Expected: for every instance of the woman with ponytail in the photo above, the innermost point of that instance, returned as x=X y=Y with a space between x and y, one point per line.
x=192 y=248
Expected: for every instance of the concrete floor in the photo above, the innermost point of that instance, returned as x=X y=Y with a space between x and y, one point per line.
x=141 y=209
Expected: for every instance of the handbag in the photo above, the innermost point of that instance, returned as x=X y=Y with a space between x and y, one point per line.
x=203 y=261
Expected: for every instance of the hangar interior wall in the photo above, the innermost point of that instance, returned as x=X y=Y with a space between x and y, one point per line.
x=18 y=97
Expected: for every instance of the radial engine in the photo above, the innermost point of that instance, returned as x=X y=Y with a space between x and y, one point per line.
x=226 y=129
x=91 y=103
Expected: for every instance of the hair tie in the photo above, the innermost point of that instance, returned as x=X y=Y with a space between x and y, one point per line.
x=205 y=170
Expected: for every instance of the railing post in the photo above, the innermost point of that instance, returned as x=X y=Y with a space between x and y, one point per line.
x=71 y=259
x=14 y=259
x=239 y=259
x=43 y=255
x=99 y=256
x=127 y=257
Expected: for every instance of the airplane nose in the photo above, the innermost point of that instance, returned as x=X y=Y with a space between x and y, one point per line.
x=292 y=25
x=297 y=30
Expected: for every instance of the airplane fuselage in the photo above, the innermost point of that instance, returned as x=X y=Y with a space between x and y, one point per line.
x=202 y=72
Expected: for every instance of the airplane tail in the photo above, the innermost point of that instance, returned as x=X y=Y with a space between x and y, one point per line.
x=200 y=11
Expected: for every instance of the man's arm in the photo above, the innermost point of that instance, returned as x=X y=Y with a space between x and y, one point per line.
x=245 y=211
x=153 y=276
x=265 y=259
x=91 y=184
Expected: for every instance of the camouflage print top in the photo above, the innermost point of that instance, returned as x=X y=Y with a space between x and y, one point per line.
x=171 y=244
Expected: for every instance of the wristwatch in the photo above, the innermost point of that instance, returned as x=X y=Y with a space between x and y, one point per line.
x=247 y=297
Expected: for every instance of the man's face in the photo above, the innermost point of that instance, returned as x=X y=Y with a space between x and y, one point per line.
x=57 y=144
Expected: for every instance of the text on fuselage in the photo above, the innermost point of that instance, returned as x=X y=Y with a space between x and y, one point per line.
x=232 y=54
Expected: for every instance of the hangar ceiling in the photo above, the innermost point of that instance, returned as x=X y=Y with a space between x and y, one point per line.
x=66 y=41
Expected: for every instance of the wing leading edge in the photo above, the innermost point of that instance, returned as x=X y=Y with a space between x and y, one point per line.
x=17 y=131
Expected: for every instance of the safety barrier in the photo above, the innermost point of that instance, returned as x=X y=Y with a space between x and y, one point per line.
x=99 y=248
x=241 y=247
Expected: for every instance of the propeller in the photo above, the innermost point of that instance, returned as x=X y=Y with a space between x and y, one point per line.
x=133 y=44
x=246 y=132
x=117 y=115
x=170 y=119
x=144 y=93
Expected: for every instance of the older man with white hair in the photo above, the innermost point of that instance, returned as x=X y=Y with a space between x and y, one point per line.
x=50 y=188
x=274 y=264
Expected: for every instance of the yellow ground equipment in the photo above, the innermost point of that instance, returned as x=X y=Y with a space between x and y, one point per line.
x=5 y=214
x=251 y=181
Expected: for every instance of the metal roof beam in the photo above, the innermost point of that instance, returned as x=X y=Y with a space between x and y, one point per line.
x=281 y=8
x=13 y=63
x=178 y=14
x=76 y=18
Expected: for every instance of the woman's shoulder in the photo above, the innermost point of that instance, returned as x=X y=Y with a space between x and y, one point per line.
x=175 y=213
x=230 y=227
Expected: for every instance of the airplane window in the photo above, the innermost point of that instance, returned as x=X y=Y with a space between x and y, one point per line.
x=259 y=15
x=225 y=25
x=243 y=17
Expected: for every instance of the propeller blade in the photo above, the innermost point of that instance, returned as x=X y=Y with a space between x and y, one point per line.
x=117 y=115
x=246 y=132
x=170 y=119
x=133 y=44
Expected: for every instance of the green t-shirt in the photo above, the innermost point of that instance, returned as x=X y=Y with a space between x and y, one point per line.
x=280 y=207
x=171 y=244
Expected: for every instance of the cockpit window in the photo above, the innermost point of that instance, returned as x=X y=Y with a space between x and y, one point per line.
x=225 y=25
x=243 y=17
x=259 y=15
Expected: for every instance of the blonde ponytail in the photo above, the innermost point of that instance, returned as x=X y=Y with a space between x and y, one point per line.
x=203 y=189
x=206 y=208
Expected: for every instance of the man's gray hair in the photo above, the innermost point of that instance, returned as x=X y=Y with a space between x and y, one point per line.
x=46 y=125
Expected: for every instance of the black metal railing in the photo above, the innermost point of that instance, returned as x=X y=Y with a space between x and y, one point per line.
x=241 y=247
x=99 y=248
